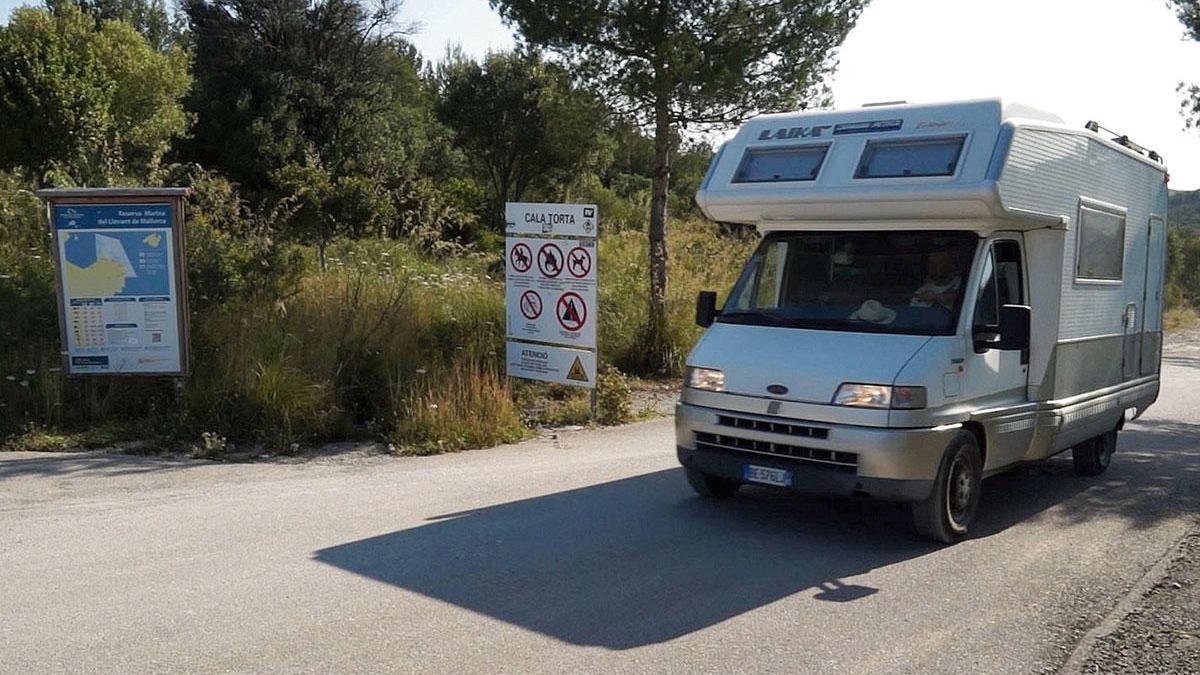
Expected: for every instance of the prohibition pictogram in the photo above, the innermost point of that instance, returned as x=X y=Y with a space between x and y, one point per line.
x=579 y=262
x=531 y=305
x=571 y=311
x=550 y=260
x=520 y=257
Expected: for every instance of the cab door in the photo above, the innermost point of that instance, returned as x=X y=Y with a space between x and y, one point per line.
x=997 y=379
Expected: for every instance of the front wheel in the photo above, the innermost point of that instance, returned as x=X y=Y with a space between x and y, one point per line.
x=950 y=507
x=711 y=486
x=1093 y=456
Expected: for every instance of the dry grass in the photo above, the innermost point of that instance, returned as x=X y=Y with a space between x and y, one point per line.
x=1180 y=318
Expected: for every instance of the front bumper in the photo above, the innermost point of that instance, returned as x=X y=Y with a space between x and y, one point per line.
x=825 y=459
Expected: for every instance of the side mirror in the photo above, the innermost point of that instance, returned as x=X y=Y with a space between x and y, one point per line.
x=706 y=308
x=1015 y=321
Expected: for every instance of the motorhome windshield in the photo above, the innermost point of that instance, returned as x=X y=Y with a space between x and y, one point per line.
x=908 y=282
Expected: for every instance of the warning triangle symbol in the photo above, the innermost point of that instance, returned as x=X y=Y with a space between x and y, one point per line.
x=577 y=372
x=571 y=315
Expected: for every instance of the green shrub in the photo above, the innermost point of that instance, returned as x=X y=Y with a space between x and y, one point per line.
x=233 y=251
x=614 y=399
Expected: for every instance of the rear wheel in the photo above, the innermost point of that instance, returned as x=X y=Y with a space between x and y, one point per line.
x=1093 y=456
x=950 y=507
x=711 y=486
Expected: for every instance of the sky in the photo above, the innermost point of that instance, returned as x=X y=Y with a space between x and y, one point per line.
x=1117 y=62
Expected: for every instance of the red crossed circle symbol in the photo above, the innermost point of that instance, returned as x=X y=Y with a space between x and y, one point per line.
x=520 y=257
x=550 y=260
x=531 y=305
x=579 y=262
x=571 y=311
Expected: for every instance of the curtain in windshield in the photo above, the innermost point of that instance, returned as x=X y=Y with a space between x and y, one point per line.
x=908 y=282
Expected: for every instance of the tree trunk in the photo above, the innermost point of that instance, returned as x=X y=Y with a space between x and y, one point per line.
x=657 y=346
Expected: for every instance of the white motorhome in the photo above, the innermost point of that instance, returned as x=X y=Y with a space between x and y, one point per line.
x=942 y=292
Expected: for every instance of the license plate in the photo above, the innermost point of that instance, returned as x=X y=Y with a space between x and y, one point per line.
x=767 y=475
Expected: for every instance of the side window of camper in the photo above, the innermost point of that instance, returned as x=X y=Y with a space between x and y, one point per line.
x=1099 y=245
x=1001 y=283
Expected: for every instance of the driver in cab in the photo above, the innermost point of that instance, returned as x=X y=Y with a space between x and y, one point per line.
x=942 y=282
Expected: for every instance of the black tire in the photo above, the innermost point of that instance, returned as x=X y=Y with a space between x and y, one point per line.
x=711 y=486
x=1093 y=456
x=946 y=514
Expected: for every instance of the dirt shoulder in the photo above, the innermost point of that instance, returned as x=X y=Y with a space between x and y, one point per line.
x=1160 y=632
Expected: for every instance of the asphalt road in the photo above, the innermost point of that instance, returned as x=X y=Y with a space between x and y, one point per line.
x=583 y=553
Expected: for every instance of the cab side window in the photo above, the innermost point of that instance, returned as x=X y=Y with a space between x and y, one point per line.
x=987 y=312
x=762 y=284
x=1001 y=283
x=1010 y=285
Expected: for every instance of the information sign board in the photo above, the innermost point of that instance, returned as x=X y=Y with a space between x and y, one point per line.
x=121 y=288
x=551 y=364
x=551 y=285
x=550 y=292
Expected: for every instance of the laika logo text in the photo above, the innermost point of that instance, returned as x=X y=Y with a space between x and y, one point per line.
x=792 y=132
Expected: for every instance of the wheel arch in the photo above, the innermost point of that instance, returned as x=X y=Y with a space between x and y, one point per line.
x=977 y=430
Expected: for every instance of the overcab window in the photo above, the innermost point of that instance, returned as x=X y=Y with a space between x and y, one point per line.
x=911 y=158
x=777 y=165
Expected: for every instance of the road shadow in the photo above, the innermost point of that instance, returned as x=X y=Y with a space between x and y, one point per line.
x=1154 y=476
x=642 y=560
x=630 y=562
x=90 y=463
x=111 y=462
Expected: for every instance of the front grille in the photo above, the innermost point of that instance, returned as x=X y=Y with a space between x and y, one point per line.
x=800 y=430
x=847 y=461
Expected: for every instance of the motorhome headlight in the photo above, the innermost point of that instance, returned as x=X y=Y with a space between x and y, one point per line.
x=863 y=395
x=880 y=396
x=709 y=379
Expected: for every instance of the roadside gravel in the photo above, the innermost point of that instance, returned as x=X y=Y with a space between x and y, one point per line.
x=1161 y=632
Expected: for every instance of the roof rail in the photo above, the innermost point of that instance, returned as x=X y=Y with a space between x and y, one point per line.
x=1123 y=140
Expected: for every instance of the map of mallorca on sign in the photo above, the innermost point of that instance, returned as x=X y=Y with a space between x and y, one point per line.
x=118 y=263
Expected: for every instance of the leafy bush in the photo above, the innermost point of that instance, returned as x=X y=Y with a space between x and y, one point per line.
x=233 y=251
x=1183 y=268
x=614 y=400
x=92 y=102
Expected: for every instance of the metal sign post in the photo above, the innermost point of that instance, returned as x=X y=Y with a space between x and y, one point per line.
x=550 y=293
x=121 y=269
